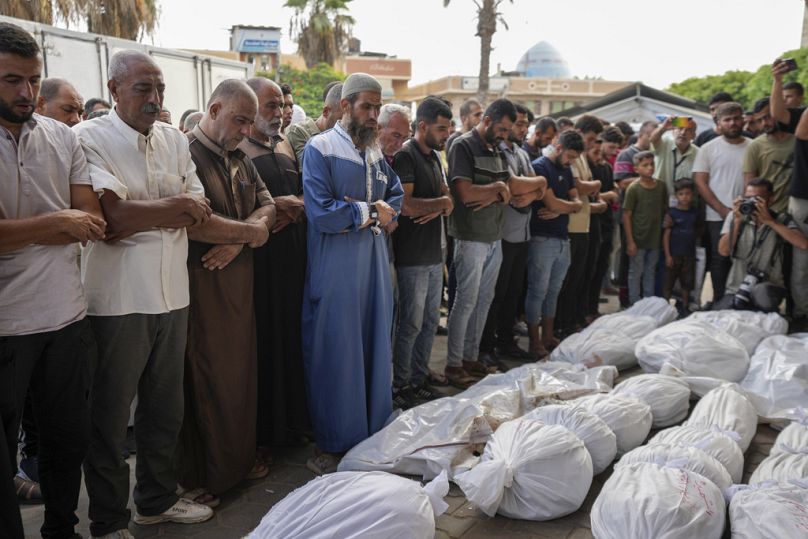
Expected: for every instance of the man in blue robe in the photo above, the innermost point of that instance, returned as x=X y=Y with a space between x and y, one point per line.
x=350 y=193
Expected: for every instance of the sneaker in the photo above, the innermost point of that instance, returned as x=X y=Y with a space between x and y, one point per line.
x=403 y=398
x=520 y=328
x=118 y=534
x=424 y=393
x=182 y=512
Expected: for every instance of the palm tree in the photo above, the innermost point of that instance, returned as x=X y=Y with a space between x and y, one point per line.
x=487 y=18
x=127 y=19
x=321 y=28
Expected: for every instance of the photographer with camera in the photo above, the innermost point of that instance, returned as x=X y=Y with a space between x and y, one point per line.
x=754 y=236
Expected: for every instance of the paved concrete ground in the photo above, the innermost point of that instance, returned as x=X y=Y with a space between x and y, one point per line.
x=242 y=509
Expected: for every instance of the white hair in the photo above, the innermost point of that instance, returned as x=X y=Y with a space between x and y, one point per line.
x=121 y=61
x=389 y=110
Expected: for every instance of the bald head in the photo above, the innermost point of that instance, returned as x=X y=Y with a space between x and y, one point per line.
x=58 y=99
x=332 y=112
x=231 y=111
x=269 y=118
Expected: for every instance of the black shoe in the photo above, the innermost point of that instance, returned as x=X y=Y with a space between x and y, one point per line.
x=491 y=359
x=798 y=324
x=513 y=350
x=442 y=330
x=424 y=393
x=403 y=398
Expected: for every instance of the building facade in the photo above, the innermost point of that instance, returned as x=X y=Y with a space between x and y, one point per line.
x=257 y=45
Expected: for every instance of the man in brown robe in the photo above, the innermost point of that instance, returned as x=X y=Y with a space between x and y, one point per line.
x=216 y=449
x=280 y=273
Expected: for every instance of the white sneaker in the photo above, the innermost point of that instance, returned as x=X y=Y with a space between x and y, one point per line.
x=182 y=512
x=119 y=534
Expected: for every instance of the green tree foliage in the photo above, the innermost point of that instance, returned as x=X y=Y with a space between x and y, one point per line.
x=128 y=19
x=307 y=86
x=744 y=86
x=488 y=16
x=321 y=29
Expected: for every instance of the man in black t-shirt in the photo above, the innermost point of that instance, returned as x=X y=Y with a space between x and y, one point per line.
x=795 y=120
x=418 y=252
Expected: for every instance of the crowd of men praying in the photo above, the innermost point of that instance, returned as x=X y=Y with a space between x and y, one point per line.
x=256 y=278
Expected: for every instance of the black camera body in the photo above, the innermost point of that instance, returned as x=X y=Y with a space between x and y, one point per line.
x=748 y=206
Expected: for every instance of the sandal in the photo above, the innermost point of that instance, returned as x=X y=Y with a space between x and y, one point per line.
x=28 y=492
x=322 y=464
x=259 y=471
x=437 y=379
x=459 y=378
x=200 y=496
x=475 y=367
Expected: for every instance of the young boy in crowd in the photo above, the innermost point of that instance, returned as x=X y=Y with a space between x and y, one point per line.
x=679 y=241
x=644 y=208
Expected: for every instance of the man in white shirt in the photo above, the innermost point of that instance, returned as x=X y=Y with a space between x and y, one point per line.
x=718 y=173
x=138 y=297
x=46 y=207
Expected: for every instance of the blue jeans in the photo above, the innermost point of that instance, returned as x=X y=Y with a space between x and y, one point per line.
x=642 y=272
x=548 y=260
x=418 y=314
x=476 y=269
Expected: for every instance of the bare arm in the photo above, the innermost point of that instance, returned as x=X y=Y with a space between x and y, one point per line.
x=666 y=244
x=587 y=187
x=83 y=223
x=628 y=226
x=130 y=216
x=777 y=106
x=557 y=205
x=418 y=207
x=229 y=231
x=469 y=193
x=802 y=127
x=656 y=136
x=702 y=180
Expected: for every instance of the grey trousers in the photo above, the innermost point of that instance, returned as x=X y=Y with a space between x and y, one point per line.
x=143 y=355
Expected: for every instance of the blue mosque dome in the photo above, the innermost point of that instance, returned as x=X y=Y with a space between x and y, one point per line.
x=543 y=60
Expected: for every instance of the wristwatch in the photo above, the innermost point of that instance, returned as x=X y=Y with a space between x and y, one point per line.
x=375 y=227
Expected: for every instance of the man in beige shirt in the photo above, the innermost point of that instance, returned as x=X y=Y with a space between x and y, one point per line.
x=46 y=207
x=300 y=133
x=137 y=291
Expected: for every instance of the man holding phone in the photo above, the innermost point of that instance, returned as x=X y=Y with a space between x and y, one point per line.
x=795 y=120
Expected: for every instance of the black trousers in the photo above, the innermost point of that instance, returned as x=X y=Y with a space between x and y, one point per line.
x=55 y=368
x=571 y=299
x=719 y=265
x=10 y=521
x=584 y=307
x=601 y=267
x=505 y=305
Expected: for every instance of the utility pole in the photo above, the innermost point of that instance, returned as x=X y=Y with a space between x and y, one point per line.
x=804 y=42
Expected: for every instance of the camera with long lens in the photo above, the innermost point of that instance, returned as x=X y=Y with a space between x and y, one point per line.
x=748 y=206
x=743 y=297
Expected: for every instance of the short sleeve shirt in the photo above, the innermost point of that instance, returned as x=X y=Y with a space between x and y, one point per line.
x=624 y=164
x=418 y=244
x=147 y=273
x=299 y=134
x=683 y=231
x=470 y=159
x=516 y=228
x=647 y=208
x=757 y=247
x=772 y=159
x=40 y=285
x=723 y=161
x=560 y=180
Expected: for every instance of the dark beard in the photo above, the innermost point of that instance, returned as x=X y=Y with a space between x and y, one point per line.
x=433 y=143
x=361 y=135
x=8 y=115
x=490 y=138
